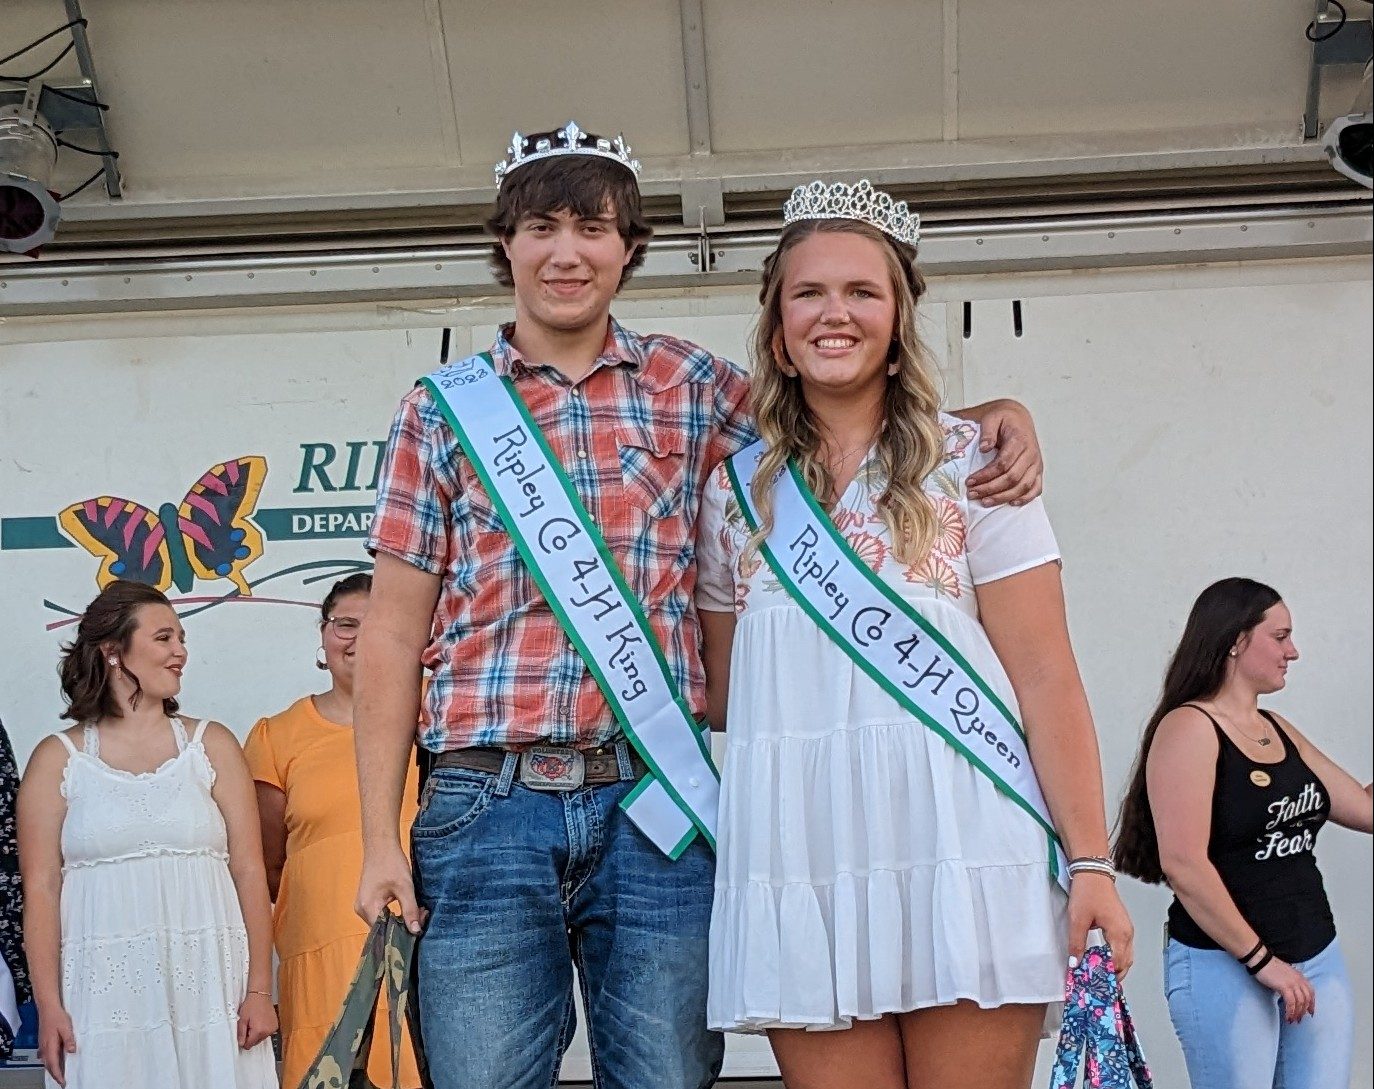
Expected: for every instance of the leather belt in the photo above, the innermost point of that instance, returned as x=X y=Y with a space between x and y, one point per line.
x=550 y=767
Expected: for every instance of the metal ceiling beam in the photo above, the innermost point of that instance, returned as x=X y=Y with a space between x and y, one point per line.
x=935 y=163
x=460 y=271
x=695 y=76
x=703 y=200
x=83 y=58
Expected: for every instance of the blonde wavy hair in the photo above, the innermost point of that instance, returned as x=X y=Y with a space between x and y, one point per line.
x=911 y=444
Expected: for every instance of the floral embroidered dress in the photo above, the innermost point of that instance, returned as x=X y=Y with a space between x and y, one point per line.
x=864 y=866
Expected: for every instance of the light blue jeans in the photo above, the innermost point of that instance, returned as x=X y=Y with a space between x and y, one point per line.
x=1232 y=1028
x=522 y=885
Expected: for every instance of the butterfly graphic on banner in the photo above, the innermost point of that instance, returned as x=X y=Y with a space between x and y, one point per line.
x=208 y=536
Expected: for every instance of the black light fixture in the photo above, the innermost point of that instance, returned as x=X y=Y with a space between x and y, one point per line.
x=29 y=210
x=35 y=116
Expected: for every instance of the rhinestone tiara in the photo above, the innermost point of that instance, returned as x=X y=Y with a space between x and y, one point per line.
x=569 y=140
x=860 y=201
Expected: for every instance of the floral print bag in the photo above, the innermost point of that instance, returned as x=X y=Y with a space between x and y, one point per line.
x=388 y=955
x=1097 y=1030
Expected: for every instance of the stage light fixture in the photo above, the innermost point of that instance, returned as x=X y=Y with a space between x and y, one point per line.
x=1349 y=144
x=29 y=210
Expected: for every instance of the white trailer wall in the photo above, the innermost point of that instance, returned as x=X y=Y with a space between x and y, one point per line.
x=1197 y=422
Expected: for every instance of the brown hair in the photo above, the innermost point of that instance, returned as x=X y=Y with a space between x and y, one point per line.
x=911 y=445
x=1223 y=613
x=85 y=673
x=361 y=583
x=582 y=185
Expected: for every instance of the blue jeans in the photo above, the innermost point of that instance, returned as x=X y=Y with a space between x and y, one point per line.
x=520 y=886
x=1232 y=1028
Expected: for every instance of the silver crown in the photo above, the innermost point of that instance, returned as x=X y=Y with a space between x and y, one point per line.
x=861 y=202
x=569 y=140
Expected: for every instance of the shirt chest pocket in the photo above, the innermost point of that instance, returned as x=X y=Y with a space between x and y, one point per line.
x=652 y=468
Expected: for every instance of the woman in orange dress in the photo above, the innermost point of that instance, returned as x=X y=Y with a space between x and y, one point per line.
x=307 y=783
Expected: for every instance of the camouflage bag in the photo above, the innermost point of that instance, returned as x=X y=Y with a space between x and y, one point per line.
x=388 y=954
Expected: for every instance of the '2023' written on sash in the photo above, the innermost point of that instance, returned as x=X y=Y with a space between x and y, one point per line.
x=594 y=610
x=958 y=704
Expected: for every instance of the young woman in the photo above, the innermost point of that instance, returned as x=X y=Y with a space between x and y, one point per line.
x=146 y=917
x=872 y=880
x=307 y=783
x=1225 y=804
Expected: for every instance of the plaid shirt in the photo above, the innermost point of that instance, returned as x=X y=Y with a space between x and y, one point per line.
x=638 y=437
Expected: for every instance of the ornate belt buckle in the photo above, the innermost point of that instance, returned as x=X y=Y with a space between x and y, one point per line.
x=547 y=767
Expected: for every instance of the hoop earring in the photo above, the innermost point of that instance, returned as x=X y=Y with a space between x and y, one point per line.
x=320 y=663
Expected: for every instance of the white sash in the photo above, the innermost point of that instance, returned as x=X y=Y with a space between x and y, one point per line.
x=890 y=639
x=569 y=560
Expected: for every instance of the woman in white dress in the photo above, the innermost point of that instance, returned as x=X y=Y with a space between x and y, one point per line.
x=871 y=880
x=147 y=923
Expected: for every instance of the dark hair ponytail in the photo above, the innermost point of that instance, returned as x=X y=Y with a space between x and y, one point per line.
x=83 y=669
x=1223 y=613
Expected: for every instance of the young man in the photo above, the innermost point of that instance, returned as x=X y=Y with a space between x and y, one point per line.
x=546 y=839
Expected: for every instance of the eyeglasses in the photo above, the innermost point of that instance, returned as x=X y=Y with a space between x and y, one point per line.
x=345 y=627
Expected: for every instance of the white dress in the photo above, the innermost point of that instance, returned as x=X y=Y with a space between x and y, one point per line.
x=864 y=866
x=154 y=950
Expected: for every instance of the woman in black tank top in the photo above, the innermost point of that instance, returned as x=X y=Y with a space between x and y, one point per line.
x=1225 y=803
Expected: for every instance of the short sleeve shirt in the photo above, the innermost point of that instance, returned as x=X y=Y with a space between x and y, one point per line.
x=973 y=544
x=637 y=437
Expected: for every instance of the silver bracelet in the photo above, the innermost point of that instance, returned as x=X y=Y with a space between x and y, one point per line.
x=1092 y=864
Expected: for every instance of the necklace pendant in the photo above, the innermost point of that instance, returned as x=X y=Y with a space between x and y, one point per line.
x=1264 y=741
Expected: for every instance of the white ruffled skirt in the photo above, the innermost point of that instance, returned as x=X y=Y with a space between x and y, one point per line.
x=154 y=966
x=864 y=866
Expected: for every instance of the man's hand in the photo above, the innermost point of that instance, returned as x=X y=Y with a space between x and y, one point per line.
x=1017 y=475
x=386 y=879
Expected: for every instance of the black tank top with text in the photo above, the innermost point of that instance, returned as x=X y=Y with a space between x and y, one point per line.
x=1265 y=820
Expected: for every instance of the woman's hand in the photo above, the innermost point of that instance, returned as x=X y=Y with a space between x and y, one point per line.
x=257 y=1020
x=1299 y=999
x=56 y=1040
x=1094 y=903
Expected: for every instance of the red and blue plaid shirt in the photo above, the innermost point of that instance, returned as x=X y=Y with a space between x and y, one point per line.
x=638 y=437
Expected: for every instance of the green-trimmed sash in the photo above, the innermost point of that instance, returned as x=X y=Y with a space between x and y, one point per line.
x=890 y=639
x=569 y=561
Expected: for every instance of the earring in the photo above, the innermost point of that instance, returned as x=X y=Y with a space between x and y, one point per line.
x=320 y=663
x=1231 y=653
x=112 y=660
